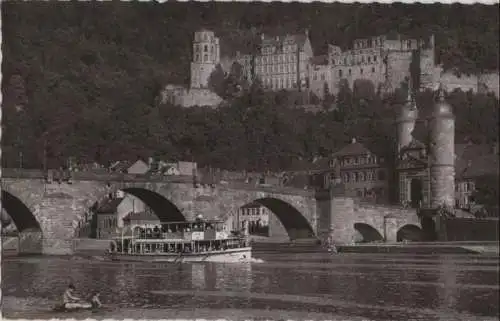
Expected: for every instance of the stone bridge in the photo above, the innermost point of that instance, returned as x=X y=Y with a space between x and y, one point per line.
x=47 y=215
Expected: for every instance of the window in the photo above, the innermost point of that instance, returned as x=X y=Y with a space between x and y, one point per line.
x=350 y=72
x=205 y=48
x=374 y=58
x=205 y=58
x=359 y=193
x=361 y=70
x=373 y=69
x=362 y=176
x=322 y=76
x=315 y=76
x=340 y=73
x=345 y=178
x=369 y=59
x=354 y=177
x=197 y=57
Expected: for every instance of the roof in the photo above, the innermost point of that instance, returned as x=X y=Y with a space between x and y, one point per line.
x=320 y=60
x=477 y=166
x=121 y=166
x=352 y=149
x=141 y=216
x=299 y=39
x=109 y=205
x=252 y=205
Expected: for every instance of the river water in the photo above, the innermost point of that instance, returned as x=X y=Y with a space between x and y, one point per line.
x=296 y=286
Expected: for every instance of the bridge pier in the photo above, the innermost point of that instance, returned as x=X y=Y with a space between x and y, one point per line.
x=30 y=242
x=390 y=229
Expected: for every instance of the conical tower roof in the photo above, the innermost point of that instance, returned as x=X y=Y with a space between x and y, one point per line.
x=408 y=111
x=442 y=108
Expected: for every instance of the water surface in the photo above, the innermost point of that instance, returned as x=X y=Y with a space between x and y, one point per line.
x=285 y=285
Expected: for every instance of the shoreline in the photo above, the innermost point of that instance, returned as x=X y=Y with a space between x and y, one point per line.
x=460 y=247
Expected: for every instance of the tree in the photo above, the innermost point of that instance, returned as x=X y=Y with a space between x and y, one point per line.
x=486 y=193
x=217 y=81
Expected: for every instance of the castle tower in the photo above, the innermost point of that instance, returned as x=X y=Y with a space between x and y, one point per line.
x=206 y=56
x=405 y=123
x=442 y=153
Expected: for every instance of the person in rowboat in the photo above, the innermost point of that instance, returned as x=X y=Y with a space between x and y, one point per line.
x=95 y=301
x=70 y=300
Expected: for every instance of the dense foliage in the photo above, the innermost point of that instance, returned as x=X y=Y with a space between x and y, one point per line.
x=83 y=79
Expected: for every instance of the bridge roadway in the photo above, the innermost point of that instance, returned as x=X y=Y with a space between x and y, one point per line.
x=48 y=214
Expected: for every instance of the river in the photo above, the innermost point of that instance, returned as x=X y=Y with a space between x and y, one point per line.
x=294 y=286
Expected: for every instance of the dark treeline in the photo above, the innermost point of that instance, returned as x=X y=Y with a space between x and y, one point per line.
x=83 y=79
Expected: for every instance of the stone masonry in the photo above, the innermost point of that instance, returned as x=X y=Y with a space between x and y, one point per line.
x=58 y=208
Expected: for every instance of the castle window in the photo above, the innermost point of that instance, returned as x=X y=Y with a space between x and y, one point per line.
x=363 y=59
x=205 y=58
x=374 y=58
x=345 y=178
x=340 y=73
x=361 y=70
x=206 y=48
x=350 y=72
x=212 y=49
x=362 y=176
x=354 y=177
x=197 y=57
x=373 y=69
x=369 y=59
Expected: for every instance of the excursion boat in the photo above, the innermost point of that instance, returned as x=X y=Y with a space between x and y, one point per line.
x=196 y=241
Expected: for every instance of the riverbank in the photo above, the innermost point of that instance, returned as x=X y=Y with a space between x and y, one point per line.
x=487 y=248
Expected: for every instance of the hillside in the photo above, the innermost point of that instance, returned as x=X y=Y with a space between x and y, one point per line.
x=87 y=75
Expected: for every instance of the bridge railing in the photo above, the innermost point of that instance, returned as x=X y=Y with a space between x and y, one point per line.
x=124 y=177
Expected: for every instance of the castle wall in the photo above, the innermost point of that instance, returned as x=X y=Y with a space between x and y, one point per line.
x=489 y=82
x=398 y=68
x=200 y=97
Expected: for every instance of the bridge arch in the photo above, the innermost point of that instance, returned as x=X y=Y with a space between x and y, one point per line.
x=294 y=222
x=410 y=232
x=30 y=232
x=21 y=215
x=367 y=233
x=164 y=209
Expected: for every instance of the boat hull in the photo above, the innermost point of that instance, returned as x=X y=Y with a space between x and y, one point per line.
x=229 y=256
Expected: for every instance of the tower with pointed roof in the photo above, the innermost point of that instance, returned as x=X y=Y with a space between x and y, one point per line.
x=405 y=123
x=206 y=56
x=442 y=153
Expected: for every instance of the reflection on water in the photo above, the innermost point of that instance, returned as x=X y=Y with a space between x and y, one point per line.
x=375 y=287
